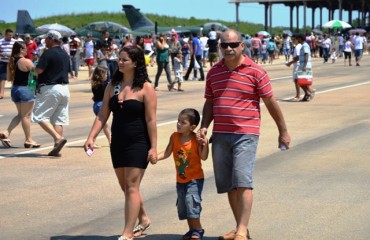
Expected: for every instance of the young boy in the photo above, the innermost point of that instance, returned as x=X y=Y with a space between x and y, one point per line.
x=187 y=153
x=177 y=67
x=333 y=55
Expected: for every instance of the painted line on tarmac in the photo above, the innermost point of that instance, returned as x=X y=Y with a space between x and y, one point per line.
x=344 y=87
x=162 y=124
x=280 y=78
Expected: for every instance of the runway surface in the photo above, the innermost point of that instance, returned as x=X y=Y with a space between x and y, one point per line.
x=319 y=189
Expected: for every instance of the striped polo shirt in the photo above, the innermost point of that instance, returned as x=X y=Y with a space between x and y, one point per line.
x=6 y=49
x=236 y=96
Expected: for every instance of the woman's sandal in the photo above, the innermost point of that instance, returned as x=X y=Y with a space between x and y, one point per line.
x=5 y=140
x=140 y=229
x=124 y=238
x=32 y=145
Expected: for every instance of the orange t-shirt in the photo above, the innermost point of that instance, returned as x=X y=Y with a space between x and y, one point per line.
x=187 y=160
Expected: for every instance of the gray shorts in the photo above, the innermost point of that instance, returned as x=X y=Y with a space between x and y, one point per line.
x=234 y=157
x=51 y=104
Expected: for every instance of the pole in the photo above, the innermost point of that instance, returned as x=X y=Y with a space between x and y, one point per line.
x=237 y=15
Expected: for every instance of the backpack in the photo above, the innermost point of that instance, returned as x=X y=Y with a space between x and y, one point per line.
x=271 y=46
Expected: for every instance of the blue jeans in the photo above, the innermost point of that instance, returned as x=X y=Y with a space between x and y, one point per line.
x=340 y=50
x=97 y=107
x=189 y=198
x=325 y=54
x=166 y=67
x=21 y=94
x=185 y=60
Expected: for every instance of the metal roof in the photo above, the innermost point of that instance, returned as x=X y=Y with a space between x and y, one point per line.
x=347 y=5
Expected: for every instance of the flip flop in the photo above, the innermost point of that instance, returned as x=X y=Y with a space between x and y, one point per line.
x=32 y=145
x=139 y=229
x=57 y=147
x=5 y=141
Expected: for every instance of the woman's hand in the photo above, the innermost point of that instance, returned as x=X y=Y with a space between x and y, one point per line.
x=152 y=156
x=89 y=144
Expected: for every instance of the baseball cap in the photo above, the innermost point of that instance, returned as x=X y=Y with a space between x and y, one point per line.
x=55 y=35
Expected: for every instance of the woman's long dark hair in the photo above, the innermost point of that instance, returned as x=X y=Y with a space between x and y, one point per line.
x=17 y=47
x=136 y=54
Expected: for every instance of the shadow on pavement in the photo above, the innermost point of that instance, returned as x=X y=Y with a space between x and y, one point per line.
x=146 y=237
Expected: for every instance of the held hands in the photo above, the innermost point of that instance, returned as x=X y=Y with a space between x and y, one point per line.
x=201 y=136
x=152 y=156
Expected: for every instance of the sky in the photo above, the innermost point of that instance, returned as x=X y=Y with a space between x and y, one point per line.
x=212 y=9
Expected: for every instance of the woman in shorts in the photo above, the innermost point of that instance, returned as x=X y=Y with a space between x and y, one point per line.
x=19 y=68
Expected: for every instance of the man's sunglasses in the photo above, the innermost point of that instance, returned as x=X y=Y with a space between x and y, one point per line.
x=224 y=45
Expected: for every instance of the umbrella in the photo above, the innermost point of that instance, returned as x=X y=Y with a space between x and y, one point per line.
x=288 y=32
x=263 y=34
x=64 y=30
x=357 y=30
x=317 y=31
x=337 y=24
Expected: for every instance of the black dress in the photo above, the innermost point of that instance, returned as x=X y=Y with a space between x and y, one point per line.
x=130 y=139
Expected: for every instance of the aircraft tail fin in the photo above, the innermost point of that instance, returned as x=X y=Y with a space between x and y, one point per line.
x=24 y=23
x=135 y=18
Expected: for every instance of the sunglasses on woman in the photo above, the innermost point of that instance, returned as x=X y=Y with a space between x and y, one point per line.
x=225 y=45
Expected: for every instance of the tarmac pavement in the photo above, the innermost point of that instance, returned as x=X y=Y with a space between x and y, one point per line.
x=318 y=189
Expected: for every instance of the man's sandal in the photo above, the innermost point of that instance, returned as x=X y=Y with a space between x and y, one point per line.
x=241 y=237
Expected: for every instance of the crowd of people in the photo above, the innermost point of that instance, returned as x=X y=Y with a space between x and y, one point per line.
x=323 y=45
x=262 y=48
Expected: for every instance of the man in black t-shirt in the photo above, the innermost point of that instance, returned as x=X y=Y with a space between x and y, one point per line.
x=213 y=51
x=52 y=98
x=102 y=41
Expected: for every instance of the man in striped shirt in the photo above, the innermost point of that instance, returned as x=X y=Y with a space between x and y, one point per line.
x=6 y=46
x=234 y=88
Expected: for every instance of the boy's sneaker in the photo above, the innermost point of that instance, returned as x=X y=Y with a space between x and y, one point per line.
x=194 y=79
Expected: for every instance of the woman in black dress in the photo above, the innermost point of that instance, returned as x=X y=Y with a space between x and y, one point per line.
x=132 y=99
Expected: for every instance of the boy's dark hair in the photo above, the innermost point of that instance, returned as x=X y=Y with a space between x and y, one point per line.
x=192 y=114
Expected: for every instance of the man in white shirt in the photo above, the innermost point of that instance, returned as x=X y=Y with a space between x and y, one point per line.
x=326 y=44
x=295 y=63
x=358 y=42
x=89 y=54
x=203 y=43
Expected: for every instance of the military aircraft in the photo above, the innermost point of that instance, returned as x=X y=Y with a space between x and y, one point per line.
x=139 y=22
x=96 y=28
x=25 y=24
